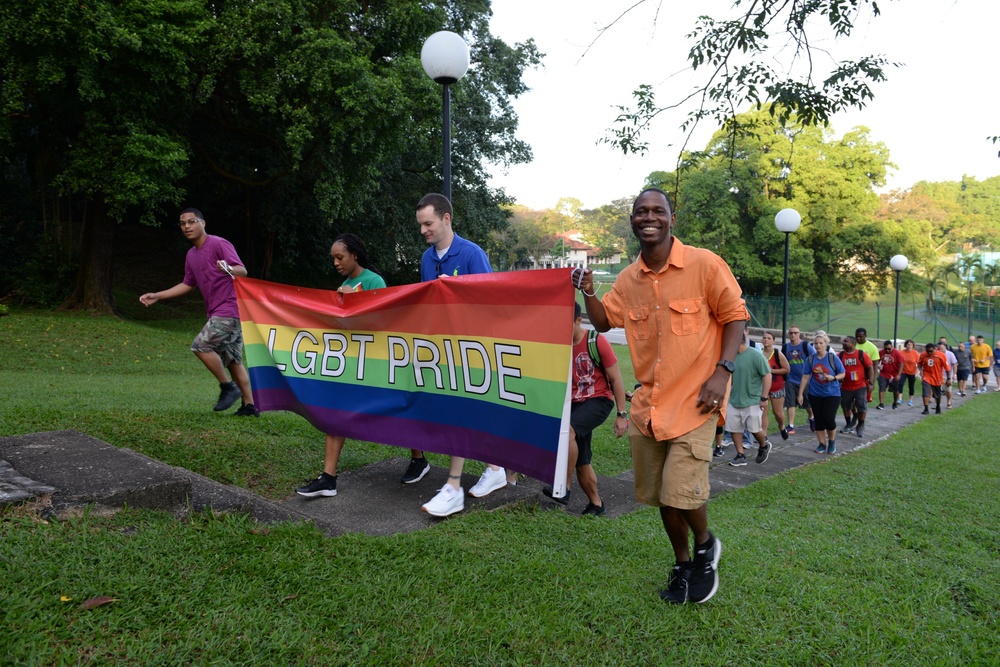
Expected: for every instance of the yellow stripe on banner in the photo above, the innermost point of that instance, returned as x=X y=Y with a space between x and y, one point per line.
x=543 y=361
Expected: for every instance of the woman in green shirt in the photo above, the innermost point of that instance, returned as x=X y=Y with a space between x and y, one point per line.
x=350 y=258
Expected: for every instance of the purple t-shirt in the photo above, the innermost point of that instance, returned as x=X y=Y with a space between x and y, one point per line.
x=201 y=271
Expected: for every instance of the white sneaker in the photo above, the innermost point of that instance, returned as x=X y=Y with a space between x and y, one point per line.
x=448 y=501
x=490 y=481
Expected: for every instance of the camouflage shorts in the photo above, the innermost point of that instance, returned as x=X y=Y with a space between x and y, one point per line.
x=223 y=336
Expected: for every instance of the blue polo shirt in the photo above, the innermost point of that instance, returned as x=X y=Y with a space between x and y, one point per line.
x=463 y=258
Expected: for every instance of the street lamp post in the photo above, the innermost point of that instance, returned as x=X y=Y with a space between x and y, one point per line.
x=898 y=263
x=787 y=221
x=445 y=57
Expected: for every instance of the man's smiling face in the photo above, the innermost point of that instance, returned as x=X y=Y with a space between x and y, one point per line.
x=652 y=219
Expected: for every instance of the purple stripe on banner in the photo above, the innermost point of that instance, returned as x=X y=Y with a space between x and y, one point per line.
x=409 y=433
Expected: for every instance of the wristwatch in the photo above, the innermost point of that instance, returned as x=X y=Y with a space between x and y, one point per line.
x=728 y=365
x=623 y=414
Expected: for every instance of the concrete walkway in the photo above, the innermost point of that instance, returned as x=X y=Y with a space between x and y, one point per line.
x=63 y=473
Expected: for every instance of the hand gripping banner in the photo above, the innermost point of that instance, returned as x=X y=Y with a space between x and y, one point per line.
x=475 y=366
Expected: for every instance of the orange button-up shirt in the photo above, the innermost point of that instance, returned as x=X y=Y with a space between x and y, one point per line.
x=673 y=321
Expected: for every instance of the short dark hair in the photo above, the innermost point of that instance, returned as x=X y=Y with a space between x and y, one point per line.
x=196 y=212
x=930 y=346
x=578 y=312
x=849 y=338
x=439 y=202
x=887 y=343
x=861 y=330
x=670 y=207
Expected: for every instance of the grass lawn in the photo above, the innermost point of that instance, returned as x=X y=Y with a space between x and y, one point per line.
x=888 y=556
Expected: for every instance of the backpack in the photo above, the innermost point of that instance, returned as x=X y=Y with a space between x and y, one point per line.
x=595 y=354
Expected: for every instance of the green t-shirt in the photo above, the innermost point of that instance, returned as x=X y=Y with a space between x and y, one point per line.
x=367 y=280
x=748 y=378
x=870 y=348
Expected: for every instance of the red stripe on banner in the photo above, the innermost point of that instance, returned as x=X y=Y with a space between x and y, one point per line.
x=487 y=305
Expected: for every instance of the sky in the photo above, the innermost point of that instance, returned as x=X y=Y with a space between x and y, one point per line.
x=934 y=113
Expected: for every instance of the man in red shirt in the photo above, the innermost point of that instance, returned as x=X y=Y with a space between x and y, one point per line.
x=890 y=371
x=859 y=375
x=932 y=366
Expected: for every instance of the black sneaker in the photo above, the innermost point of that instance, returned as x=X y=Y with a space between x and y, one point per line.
x=937 y=410
x=763 y=452
x=229 y=393
x=784 y=433
x=705 y=575
x=925 y=412
x=881 y=406
x=247 y=410
x=847 y=429
x=739 y=460
x=595 y=510
x=547 y=492
x=860 y=431
x=324 y=485
x=718 y=452
x=676 y=591
x=895 y=405
x=415 y=471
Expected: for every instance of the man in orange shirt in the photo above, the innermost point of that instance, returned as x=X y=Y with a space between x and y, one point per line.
x=932 y=366
x=982 y=359
x=683 y=315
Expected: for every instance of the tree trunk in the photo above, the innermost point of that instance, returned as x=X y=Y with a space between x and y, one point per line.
x=93 y=291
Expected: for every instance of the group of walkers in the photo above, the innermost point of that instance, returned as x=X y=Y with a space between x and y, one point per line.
x=674 y=302
x=810 y=376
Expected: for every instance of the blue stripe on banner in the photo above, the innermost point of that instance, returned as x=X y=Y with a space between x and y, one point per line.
x=511 y=424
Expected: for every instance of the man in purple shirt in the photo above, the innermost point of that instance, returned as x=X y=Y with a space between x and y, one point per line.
x=219 y=345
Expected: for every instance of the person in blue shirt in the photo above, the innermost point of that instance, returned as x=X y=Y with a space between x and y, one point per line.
x=450 y=255
x=796 y=351
x=821 y=377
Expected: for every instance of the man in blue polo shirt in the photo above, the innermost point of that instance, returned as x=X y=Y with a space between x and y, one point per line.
x=450 y=255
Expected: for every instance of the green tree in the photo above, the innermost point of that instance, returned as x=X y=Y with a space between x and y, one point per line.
x=736 y=54
x=289 y=120
x=95 y=100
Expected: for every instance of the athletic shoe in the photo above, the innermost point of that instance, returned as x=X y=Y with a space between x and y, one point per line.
x=812 y=424
x=880 y=406
x=448 y=501
x=895 y=405
x=718 y=452
x=763 y=452
x=910 y=403
x=832 y=447
x=860 y=431
x=490 y=481
x=961 y=393
x=937 y=410
x=705 y=575
x=847 y=429
x=594 y=510
x=784 y=433
x=899 y=401
x=821 y=449
x=547 y=492
x=324 y=485
x=791 y=429
x=415 y=471
x=925 y=412
x=739 y=460
x=247 y=410
x=229 y=393
x=676 y=591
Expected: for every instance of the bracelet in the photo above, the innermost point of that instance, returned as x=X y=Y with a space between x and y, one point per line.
x=584 y=292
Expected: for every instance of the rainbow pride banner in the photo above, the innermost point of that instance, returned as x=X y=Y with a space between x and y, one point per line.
x=475 y=366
